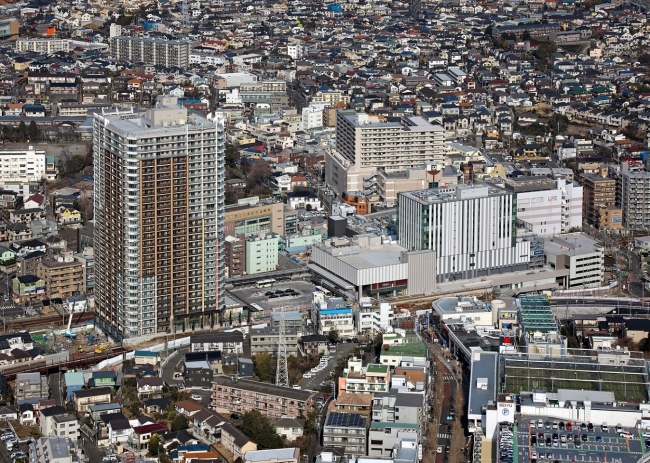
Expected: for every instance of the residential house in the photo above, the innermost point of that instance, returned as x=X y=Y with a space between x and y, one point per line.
x=227 y=342
x=150 y=387
x=27 y=415
x=103 y=379
x=46 y=419
x=118 y=427
x=314 y=344
x=197 y=374
x=157 y=405
x=86 y=398
x=188 y=407
x=236 y=442
x=289 y=428
x=141 y=434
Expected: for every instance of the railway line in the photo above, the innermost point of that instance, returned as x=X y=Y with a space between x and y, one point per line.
x=30 y=323
x=75 y=361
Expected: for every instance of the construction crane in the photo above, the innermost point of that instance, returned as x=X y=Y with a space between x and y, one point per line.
x=68 y=333
x=102 y=348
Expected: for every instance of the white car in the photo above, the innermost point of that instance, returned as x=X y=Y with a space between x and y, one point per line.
x=307 y=375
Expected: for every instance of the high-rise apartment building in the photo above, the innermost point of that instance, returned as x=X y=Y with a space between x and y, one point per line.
x=635 y=200
x=598 y=196
x=159 y=212
x=472 y=230
x=168 y=53
x=366 y=144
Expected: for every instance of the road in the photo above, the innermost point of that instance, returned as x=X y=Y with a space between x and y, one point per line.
x=56 y=389
x=174 y=363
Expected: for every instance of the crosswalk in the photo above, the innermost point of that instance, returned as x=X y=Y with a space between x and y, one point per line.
x=442 y=435
x=447 y=378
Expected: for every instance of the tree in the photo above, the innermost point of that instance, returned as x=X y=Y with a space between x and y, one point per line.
x=180 y=423
x=257 y=427
x=333 y=335
x=32 y=131
x=644 y=59
x=545 y=49
x=308 y=208
x=263 y=367
x=232 y=155
x=135 y=408
x=488 y=30
x=259 y=174
x=526 y=35
x=154 y=445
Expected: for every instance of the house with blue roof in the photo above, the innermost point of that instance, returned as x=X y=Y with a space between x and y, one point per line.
x=73 y=381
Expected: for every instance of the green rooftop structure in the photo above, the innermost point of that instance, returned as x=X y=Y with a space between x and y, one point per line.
x=535 y=315
x=376 y=368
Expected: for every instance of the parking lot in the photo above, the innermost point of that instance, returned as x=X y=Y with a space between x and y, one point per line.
x=342 y=350
x=254 y=295
x=572 y=442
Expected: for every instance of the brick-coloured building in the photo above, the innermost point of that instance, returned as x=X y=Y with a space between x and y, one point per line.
x=598 y=194
x=63 y=277
x=241 y=395
x=235 y=255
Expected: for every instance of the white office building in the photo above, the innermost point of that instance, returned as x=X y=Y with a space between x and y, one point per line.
x=312 y=117
x=366 y=144
x=472 y=230
x=546 y=206
x=581 y=254
x=331 y=312
x=18 y=166
x=373 y=318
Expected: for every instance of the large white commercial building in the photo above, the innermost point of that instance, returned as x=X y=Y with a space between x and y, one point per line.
x=160 y=215
x=546 y=206
x=43 y=46
x=473 y=230
x=366 y=264
x=28 y=165
x=366 y=144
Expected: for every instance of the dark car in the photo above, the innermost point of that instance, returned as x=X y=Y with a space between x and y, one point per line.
x=576 y=443
x=548 y=441
x=583 y=427
x=561 y=425
x=584 y=438
x=533 y=440
x=590 y=427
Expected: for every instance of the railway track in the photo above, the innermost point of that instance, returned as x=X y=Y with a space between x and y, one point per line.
x=75 y=361
x=30 y=323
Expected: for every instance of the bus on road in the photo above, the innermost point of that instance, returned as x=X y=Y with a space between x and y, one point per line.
x=267 y=283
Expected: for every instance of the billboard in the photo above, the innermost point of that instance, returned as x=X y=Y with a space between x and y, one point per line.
x=617 y=219
x=506 y=412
